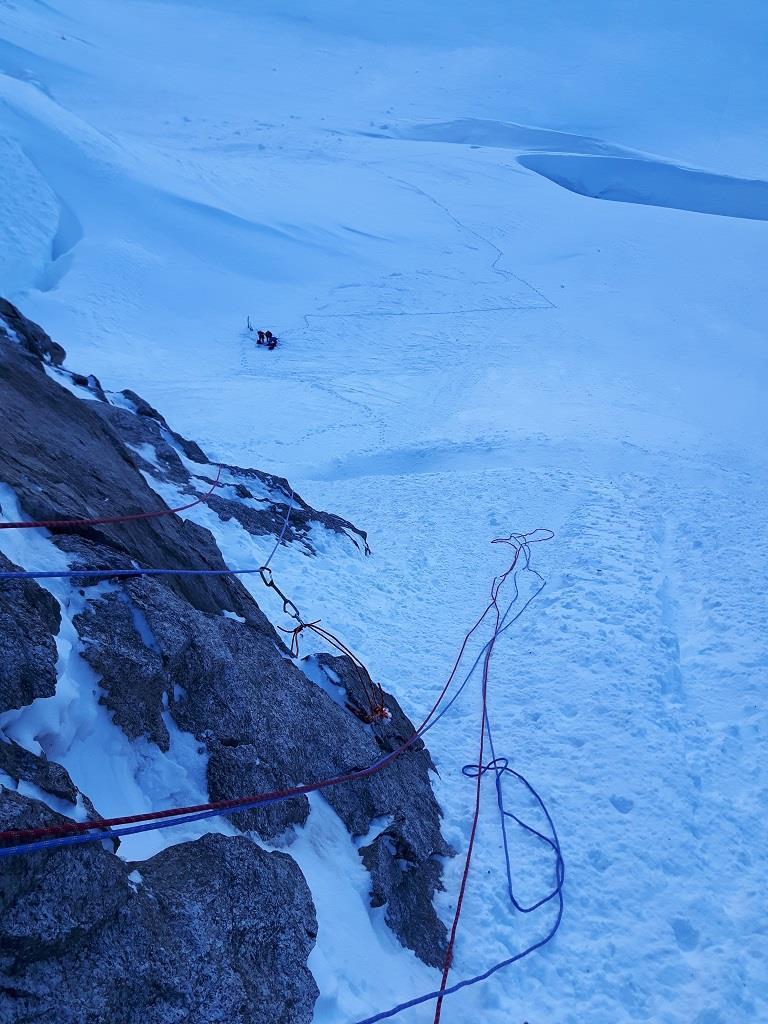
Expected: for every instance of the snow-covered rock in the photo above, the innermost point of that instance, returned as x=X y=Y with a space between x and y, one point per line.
x=216 y=930
x=29 y=619
x=191 y=675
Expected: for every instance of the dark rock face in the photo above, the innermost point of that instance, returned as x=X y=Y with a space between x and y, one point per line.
x=145 y=410
x=145 y=426
x=29 y=622
x=406 y=886
x=13 y=324
x=50 y=435
x=230 y=760
x=24 y=766
x=137 y=691
x=266 y=727
x=271 y=517
x=404 y=859
x=215 y=930
x=168 y=657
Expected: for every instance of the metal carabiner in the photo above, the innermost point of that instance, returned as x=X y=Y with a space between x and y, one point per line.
x=289 y=608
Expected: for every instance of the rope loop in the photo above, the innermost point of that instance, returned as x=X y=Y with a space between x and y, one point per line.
x=500 y=767
x=296 y=633
x=71 y=833
x=498 y=764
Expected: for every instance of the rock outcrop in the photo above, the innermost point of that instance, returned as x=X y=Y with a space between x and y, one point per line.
x=29 y=621
x=213 y=930
x=216 y=929
x=22 y=766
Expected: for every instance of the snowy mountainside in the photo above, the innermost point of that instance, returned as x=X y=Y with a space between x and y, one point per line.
x=515 y=256
x=140 y=693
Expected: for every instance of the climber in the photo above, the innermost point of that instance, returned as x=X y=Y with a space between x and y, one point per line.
x=262 y=338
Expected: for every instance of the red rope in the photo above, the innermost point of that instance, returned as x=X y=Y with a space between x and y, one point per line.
x=496 y=586
x=376 y=708
x=55 y=524
x=75 y=827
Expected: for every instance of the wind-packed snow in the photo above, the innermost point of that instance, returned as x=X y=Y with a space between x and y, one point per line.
x=473 y=341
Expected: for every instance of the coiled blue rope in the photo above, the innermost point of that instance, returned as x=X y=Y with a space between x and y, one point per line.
x=500 y=767
x=98 y=835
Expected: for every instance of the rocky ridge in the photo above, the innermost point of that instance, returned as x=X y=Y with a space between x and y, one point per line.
x=195 y=654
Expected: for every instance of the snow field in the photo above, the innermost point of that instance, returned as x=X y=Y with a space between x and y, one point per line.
x=468 y=348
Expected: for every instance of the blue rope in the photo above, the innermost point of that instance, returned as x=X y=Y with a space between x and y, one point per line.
x=500 y=767
x=279 y=540
x=91 y=573
x=109 y=833
x=502 y=628
x=129 y=830
x=497 y=765
x=467 y=982
x=106 y=834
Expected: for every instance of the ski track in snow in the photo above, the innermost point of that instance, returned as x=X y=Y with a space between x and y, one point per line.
x=466 y=350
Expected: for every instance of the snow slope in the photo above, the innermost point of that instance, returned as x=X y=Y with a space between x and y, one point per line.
x=468 y=349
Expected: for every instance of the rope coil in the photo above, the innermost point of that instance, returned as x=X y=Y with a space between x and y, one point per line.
x=26 y=841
